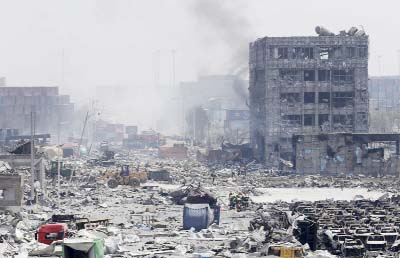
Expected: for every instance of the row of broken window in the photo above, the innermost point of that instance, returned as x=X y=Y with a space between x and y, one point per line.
x=339 y=99
x=321 y=52
x=323 y=119
x=336 y=76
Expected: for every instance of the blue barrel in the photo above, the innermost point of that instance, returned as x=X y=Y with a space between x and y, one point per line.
x=197 y=216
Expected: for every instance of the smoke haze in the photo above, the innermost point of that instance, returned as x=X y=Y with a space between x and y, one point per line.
x=82 y=46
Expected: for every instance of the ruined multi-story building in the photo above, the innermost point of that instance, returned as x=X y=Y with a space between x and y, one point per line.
x=298 y=85
x=53 y=112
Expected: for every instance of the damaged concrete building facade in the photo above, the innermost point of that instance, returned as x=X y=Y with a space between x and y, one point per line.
x=11 y=193
x=51 y=110
x=298 y=85
x=333 y=154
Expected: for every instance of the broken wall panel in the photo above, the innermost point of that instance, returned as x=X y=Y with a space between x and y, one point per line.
x=347 y=153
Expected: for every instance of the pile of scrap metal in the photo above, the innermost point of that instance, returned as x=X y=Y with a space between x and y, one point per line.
x=227 y=152
x=237 y=152
x=194 y=195
x=271 y=221
x=269 y=235
x=305 y=230
x=5 y=168
x=252 y=243
x=105 y=160
x=77 y=223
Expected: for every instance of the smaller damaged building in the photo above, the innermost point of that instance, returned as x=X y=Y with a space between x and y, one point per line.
x=10 y=191
x=347 y=153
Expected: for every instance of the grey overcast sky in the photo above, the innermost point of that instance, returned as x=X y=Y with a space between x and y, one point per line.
x=113 y=42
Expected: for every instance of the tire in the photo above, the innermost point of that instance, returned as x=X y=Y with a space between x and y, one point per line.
x=112 y=183
x=134 y=182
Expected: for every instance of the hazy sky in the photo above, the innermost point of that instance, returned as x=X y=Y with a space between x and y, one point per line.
x=113 y=42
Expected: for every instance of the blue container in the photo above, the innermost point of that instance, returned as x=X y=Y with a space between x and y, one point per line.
x=197 y=216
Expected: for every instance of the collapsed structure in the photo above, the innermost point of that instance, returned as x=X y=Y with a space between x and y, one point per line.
x=347 y=153
x=307 y=84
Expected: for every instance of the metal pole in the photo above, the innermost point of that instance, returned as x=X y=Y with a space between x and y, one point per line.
x=62 y=84
x=43 y=177
x=58 y=130
x=58 y=179
x=208 y=134
x=379 y=81
x=183 y=118
x=194 y=127
x=32 y=160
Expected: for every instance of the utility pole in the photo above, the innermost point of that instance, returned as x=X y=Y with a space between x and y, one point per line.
x=183 y=118
x=208 y=134
x=194 y=127
x=32 y=157
x=59 y=130
x=58 y=179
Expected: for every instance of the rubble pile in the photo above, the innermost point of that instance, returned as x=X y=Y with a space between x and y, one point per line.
x=151 y=218
x=351 y=228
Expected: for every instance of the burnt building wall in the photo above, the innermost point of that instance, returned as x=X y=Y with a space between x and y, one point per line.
x=305 y=85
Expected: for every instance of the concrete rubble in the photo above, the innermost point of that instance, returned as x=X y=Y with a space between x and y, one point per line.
x=147 y=220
